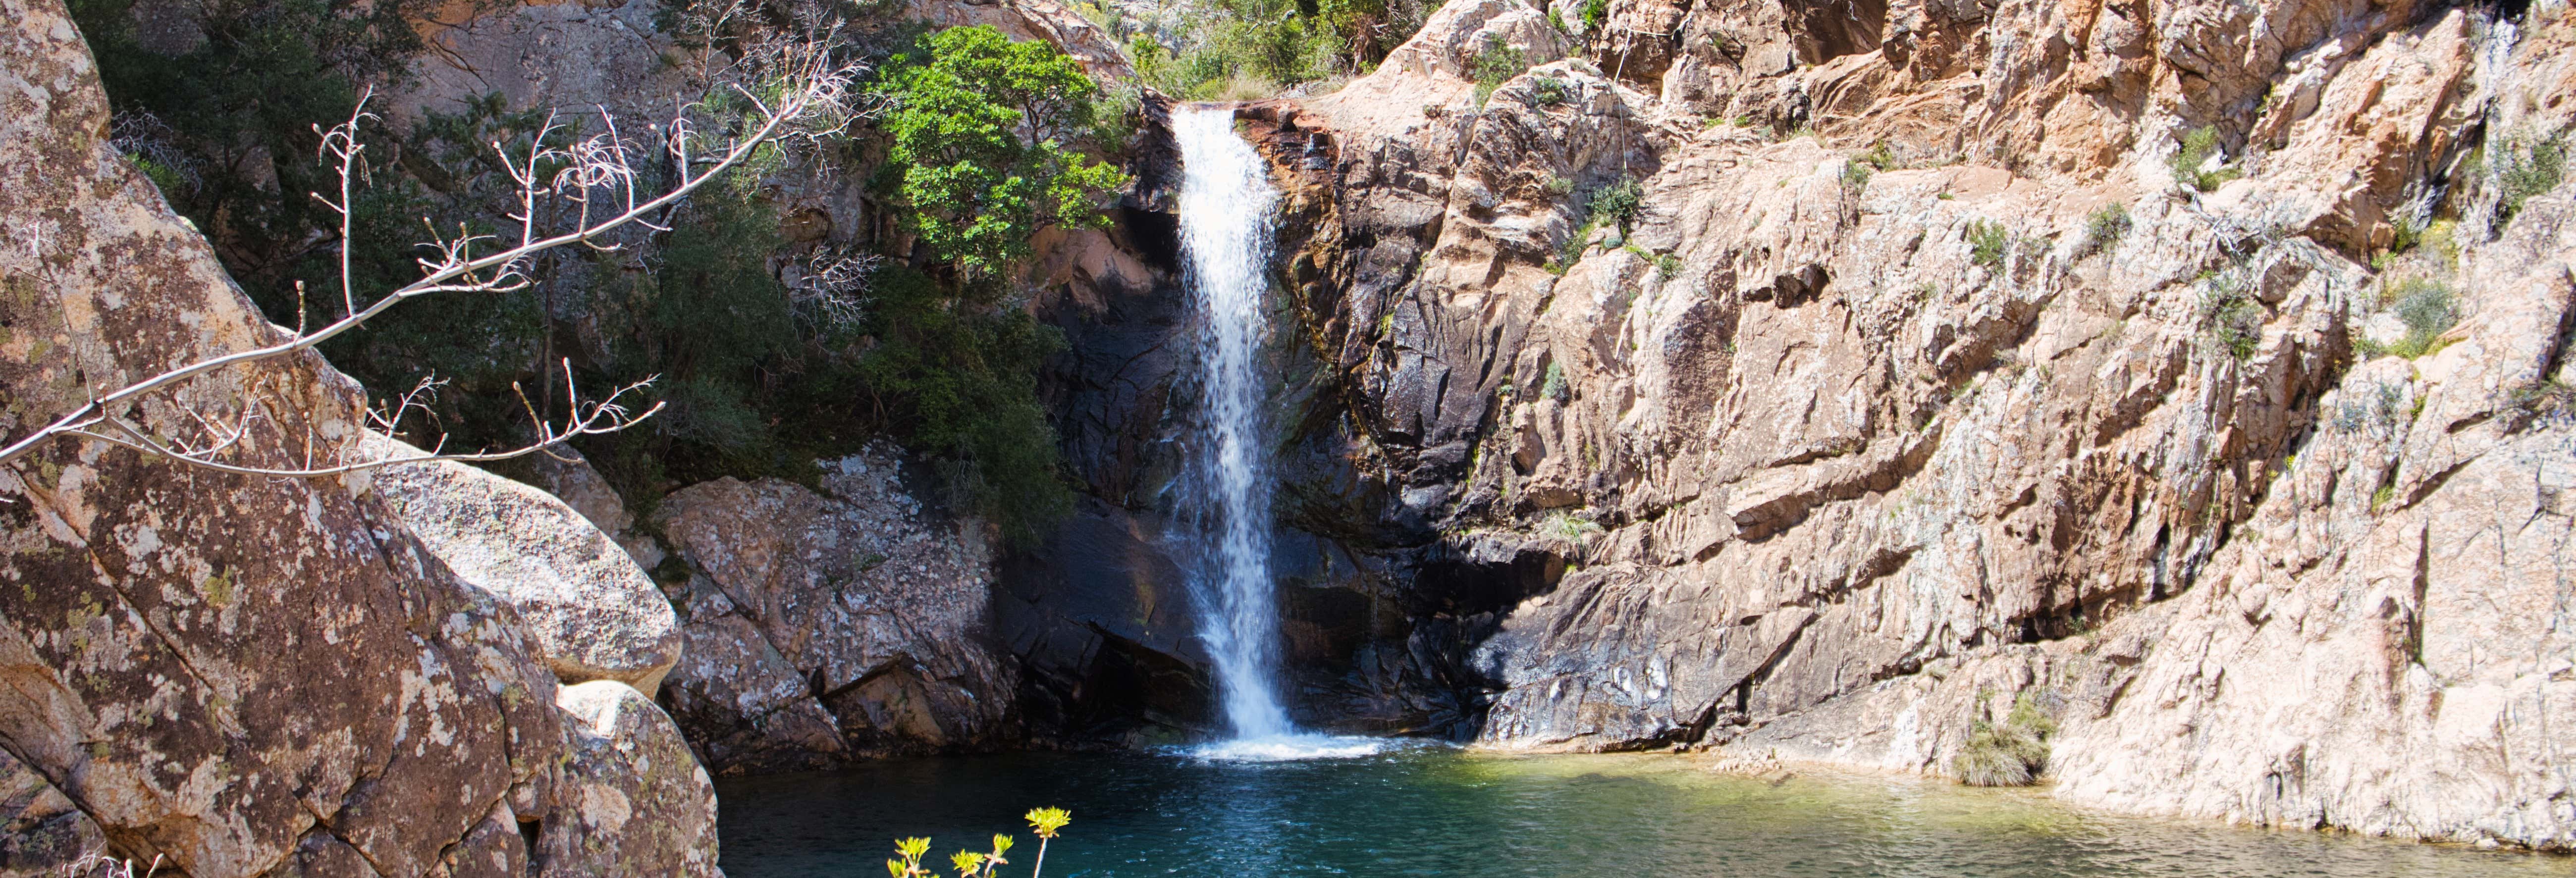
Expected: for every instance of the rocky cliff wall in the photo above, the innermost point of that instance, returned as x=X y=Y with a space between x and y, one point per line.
x=241 y=675
x=1877 y=414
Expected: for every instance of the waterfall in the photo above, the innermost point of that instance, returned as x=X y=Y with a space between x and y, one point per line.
x=1225 y=212
x=1226 y=202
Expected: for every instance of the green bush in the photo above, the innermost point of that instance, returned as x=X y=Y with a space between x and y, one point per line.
x=2234 y=320
x=2194 y=152
x=2523 y=170
x=1878 y=157
x=1987 y=242
x=980 y=130
x=1553 y=386
x=2104 y=228
x=1549 y=91
x=1855 y=177
x=1595 y=14
x=1494 y=65
x=1617 y=203
x=2428 y=308
x=957 y=379
x=1248 y=49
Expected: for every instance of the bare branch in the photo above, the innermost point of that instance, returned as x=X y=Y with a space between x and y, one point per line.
x=817 y=93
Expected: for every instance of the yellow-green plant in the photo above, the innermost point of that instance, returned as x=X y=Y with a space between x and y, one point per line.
x=908 y=852
x=2011 y=754
x=1046 y=821
x=2193 y=153
x=1987 y=242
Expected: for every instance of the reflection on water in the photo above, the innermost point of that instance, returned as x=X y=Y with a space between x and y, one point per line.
x=1436 y=811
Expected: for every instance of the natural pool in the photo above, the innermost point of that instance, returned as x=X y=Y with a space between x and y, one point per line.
x=1439 y=811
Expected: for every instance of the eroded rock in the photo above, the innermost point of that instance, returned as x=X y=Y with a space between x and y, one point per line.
x=822 y=627
x=644 y=806
x=594 y=614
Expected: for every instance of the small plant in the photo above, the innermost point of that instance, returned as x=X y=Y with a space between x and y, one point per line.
x=1855 y=177
x=1494 y=65
x=1549 y=91
x=1595 y=13
x=2547 y=399
x=2194 y=153
x=2233 y=319
x=2380 y=498
x=2009 y=755
x=1571 y=250
x=1878 y=157
x=972 y=864
x=1667 y=266
x=1617 y=203
x=2103 y=229
x=1560 y=186
x=2524 y=170
x=1987 y=242
x=2428 y=308
x=1553 y=386
x=1566 y=526
x=2382 y=409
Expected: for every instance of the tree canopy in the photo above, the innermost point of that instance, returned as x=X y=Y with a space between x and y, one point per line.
x=981 y=130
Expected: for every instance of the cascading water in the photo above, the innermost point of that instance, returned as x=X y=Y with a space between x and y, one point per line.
x=1225 y=213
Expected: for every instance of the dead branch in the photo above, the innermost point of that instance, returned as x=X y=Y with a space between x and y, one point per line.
x=595 y=175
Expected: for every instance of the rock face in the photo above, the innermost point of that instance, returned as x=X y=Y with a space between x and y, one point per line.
x=646 y=808
x=1923 y=381
x=241 y=675
x=43 y=832
x=594 y=614
x=825 y=627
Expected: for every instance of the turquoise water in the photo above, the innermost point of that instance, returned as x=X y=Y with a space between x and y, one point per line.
x=1437 y=811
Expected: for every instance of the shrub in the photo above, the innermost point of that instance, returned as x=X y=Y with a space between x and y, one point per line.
x=2523 y=170
x=1667 y=266
x=2008 y=755
x=1987 y=242
x=2428 y=308
x=2193 y=153
x=1855 y=177
x=1554 y=386
x=1595 y=14
x=2234 y=320
x=1571 y=250
x=957 y=379
x=1494 y=65
x=1549 y=91
x=2103 y=229
x=1878 y=157
x=1560 y=186
x=1618 y=203
x=1567 y=526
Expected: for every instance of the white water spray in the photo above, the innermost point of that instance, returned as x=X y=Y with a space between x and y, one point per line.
x=1226 y=202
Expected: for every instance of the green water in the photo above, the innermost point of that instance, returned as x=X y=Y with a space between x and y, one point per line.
x=1444 y=812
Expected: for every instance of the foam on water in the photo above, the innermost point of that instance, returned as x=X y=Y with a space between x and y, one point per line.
x=1293 y=748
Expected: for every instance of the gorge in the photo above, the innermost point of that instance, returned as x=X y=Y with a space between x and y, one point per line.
x=2163 y=403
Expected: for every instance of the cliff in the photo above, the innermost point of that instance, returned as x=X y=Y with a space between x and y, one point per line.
x=1922 y=380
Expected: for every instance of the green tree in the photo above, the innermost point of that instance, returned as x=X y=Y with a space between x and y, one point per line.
x=980 y=151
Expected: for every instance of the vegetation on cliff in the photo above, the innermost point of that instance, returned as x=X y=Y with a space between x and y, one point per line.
x=774 y=345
